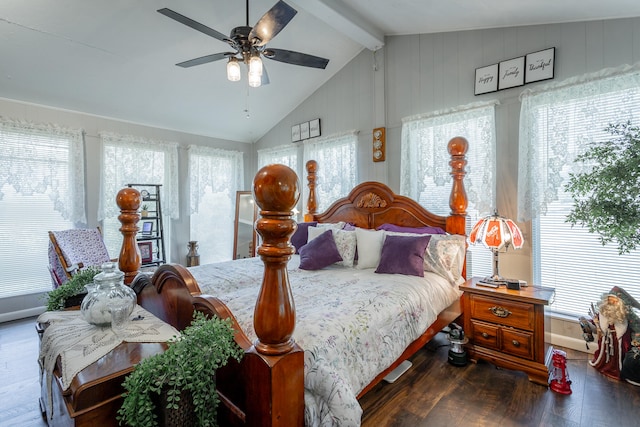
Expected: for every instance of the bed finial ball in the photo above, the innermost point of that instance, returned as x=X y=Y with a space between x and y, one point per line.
x=128 y=199
x=276 y=188
x=458 y=146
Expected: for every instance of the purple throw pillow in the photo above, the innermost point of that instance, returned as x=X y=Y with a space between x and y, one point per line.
x=416 y=230
x=301 y=235
x=320 y=252
x=403 y=255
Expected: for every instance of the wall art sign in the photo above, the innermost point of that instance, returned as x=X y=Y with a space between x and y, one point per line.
x=304 y=130
x=486 y=79
x=295 y=133
x=540 y=65
x=511 y=73
x=314 y=128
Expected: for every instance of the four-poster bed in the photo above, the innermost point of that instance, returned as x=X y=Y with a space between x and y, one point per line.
x=267 y=388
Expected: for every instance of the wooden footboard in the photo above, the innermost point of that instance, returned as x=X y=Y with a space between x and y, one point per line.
x=267 y=387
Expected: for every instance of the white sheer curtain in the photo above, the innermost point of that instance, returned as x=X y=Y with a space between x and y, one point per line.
x=337 y=166
x=44 y=159
x=282 y=154
x=556 y=115
x=215 y=176
x=425 y=160
x=130 y=159
x=557 y=122
x=425 y=171
x=42 y=188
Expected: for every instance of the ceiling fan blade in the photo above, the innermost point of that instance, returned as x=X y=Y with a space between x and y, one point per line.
x=295 y=58
x=195 y=25
x=265 y=76
x=272 y=23
x=204 y=59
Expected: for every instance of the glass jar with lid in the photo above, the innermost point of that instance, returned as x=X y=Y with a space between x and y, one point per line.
x=108 y=292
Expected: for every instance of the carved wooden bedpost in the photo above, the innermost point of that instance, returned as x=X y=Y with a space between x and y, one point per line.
x=458 y=201
x=312 y=206
x=129 y=261
x=275 y=361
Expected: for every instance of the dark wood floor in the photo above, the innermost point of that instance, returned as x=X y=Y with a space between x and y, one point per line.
x=431 y=393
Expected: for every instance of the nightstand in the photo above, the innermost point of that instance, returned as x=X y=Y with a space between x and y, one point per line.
x=507 y=327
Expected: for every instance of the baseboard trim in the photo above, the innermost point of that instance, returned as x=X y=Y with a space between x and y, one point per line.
x=21 y=314
x=570 y=342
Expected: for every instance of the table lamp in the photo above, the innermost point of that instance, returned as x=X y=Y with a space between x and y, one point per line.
x=496 y=232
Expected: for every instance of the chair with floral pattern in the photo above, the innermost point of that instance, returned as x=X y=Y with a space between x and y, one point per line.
x=72 y=250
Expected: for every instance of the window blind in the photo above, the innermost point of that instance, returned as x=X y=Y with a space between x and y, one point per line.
x=557 y=124
x=425 y=171
x=41 y=189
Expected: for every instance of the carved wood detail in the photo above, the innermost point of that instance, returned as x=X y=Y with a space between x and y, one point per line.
x=371 y=200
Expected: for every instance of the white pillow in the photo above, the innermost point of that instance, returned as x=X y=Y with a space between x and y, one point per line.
x=345 y=241
x=369 y=243
x=445 y=256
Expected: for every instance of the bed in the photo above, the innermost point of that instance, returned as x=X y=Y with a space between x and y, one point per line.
x=292 y=321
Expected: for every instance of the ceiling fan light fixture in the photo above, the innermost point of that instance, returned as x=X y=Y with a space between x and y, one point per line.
x=255 y=65
x=255 y=80
x=233 y=70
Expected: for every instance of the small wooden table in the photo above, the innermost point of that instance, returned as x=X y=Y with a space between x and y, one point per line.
x=95 y=394
x=507 y=327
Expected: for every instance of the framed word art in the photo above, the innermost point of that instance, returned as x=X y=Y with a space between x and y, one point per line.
x=540 y=65
x=511 y=73
x=486 y=79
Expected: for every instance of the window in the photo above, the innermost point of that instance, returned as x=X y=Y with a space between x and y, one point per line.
x=215 y=176
x=285 y=155
x=337 y=166
x=129 y=159
x=425 y=171
x=556 y=121
x=41 y=189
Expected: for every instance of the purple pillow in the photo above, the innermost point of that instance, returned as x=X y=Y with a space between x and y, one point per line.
x=319 y=252
x=301 y=235
x=403 y=255
x=416 y=230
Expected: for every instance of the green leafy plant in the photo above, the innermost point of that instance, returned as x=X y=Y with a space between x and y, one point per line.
x=145 y=207
x=607 y=198
x=188 y=365
x=76 y=285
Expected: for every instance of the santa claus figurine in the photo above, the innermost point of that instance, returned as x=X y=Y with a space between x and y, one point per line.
x=614 y=335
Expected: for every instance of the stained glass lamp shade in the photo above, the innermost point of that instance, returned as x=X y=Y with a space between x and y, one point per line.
x=496 y=232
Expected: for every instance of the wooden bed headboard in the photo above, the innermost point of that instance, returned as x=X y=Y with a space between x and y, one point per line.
x=372 y=204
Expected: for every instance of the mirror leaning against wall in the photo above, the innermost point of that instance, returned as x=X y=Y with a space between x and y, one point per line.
x=244 y=236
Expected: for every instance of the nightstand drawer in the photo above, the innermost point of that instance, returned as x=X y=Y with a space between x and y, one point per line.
x=503 y=312
x=485 y=335
x=517 y=343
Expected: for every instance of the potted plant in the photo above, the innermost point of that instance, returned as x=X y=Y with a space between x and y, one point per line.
x=184 y=373
x=607 y=197
x=144 y=212
x=71 y=292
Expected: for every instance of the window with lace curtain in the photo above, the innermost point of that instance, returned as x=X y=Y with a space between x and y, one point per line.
x=284 y=155
x=425 y=171
x=215 y=176
x=41 y=189
x=131 y=159
x=557 y=121
x=337 y=166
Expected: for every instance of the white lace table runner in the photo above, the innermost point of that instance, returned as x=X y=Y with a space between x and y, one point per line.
x=79 y=344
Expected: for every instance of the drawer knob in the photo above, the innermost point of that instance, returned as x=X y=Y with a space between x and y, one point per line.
x=515 y=343
x=485 y=335
x=500 y=311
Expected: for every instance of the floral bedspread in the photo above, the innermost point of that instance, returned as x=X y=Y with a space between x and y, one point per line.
x=352 y=324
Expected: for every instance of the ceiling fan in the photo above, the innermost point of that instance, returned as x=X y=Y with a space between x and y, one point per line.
x=249 y=44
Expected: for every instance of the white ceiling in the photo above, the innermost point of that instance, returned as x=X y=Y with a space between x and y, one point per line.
x=117 y=58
